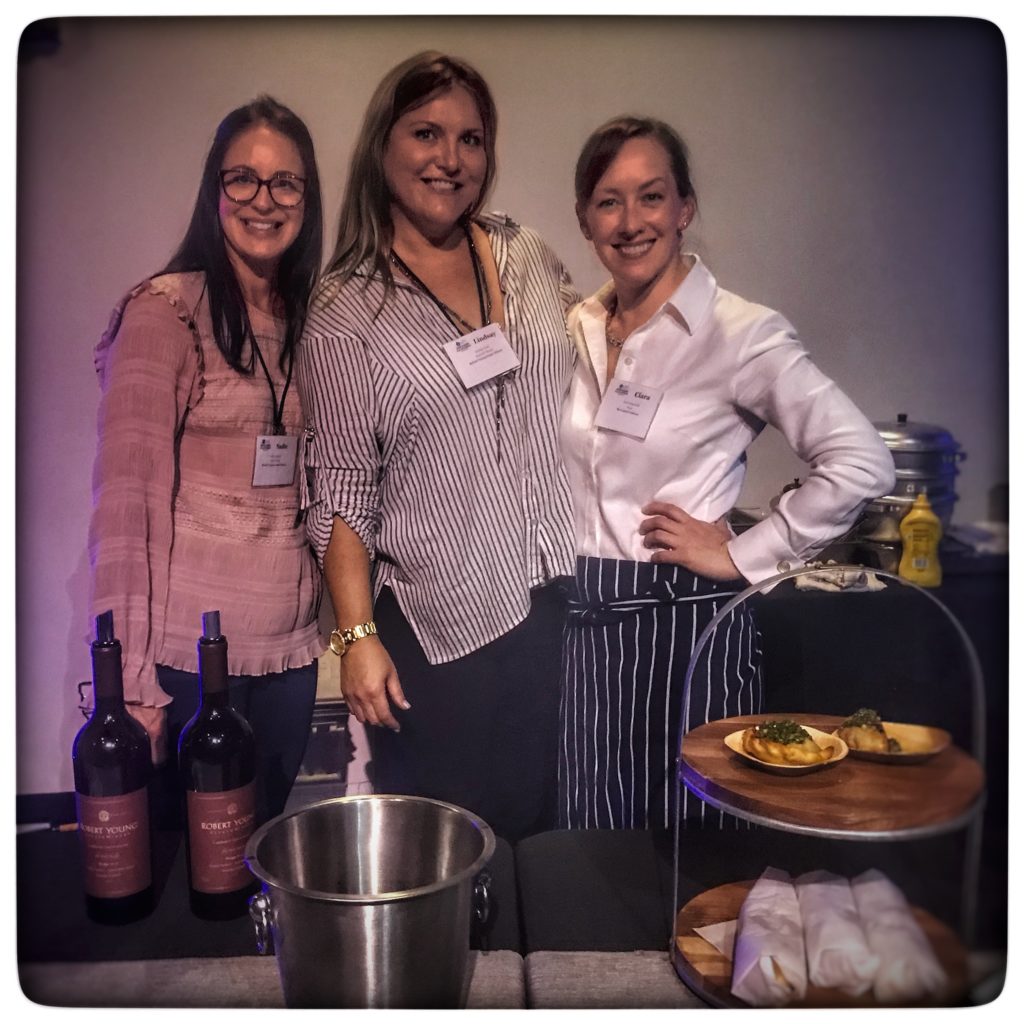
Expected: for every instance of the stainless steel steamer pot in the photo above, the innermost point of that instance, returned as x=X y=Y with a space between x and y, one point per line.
x=926 y=457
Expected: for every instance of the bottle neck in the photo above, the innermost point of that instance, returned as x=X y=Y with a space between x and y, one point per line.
x=212 y=698
x=213 y=672
x=107 y=685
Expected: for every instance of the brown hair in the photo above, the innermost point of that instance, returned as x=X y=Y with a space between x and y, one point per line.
x=604 y=144
x=364 y=227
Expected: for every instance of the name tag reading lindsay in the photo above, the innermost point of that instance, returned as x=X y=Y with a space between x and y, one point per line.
x=275 y=460
x=481 y=355
x=628 y=408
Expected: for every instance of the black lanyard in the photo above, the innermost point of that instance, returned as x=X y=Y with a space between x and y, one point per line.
x=478 y=277
x=484 y=297
x=278 y=410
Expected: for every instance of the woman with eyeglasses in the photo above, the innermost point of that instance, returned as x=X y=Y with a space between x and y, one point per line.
x=675 y=378
x=432 y=368
x=196 y=502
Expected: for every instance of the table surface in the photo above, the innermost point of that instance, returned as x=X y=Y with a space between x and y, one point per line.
x=643 y=979
x=850 y=797
x=497 y=982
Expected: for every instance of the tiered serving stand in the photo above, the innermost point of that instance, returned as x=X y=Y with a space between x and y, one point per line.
x=853 y=800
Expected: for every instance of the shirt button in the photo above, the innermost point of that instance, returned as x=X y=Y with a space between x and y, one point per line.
x=628 y=360
x=783 y=566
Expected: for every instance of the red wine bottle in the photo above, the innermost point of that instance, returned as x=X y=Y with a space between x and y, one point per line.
x=217 y=762
x=112 y=768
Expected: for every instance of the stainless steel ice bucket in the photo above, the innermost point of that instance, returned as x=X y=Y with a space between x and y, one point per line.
x=367 y=900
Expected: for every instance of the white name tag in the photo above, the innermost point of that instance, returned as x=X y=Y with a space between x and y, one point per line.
x=628 y=408
x=275 y=460
x=481 y=355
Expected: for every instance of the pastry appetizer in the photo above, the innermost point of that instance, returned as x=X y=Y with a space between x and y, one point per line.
x=782 y=741
x=864 y=731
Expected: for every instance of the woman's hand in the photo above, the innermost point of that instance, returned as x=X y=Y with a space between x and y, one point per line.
x=368 y=680
x=680 y=539
x=154 y=721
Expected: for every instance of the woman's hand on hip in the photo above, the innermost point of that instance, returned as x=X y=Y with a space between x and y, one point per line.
x=154 y=721
x=369 y=684
x=678 y=538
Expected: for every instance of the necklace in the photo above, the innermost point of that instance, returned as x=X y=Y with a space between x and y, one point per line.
x=610 y=337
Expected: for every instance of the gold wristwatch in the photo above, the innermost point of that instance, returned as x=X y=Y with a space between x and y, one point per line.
x=343 y=639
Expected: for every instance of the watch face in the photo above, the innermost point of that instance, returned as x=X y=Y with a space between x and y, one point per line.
x=338 y=644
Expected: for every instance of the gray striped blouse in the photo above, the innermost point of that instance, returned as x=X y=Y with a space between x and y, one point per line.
x=461 y=518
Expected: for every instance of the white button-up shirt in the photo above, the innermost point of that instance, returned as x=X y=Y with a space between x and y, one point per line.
x=726 y=367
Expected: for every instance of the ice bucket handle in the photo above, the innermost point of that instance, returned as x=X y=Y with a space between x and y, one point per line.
x=259 y=911
x=482 y=897
x=481 y=905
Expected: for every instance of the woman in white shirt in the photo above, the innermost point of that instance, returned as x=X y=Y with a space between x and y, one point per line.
x=674 y=380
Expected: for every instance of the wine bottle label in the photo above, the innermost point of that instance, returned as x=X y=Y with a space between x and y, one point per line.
x=114 y=833
x=219 y=826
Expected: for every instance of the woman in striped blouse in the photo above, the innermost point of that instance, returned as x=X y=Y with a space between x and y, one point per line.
x=675 y=379
x=432 y=370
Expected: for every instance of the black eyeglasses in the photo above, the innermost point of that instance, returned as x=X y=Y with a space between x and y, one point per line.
x=242 y=186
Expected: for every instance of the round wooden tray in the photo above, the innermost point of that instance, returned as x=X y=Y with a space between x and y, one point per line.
x=708 y=973
x=854 y=799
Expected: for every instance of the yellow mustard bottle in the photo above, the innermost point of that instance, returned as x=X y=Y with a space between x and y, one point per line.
x=921 y=529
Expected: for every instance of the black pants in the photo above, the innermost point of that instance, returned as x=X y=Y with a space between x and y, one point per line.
x=482 y=730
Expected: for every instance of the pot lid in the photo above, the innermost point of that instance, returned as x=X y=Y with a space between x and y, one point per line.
x=905 y=435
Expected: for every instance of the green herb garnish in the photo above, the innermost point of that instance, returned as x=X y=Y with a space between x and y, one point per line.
x=865 y=718
x=781 y=730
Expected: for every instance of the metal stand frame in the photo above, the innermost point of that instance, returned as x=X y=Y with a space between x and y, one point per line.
x=972 y=819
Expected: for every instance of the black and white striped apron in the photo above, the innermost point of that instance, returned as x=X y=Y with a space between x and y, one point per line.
x=627 y=645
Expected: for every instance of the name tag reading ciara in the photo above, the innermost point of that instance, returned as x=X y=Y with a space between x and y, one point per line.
x=628 y=408
x=481 y=355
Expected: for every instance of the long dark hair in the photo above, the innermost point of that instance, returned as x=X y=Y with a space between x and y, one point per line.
x=365 y=229
x=203 y=247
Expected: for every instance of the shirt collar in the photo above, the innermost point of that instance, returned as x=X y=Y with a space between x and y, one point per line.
x=688 y=304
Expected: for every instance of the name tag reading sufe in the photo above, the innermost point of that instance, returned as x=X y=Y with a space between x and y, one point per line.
x=628 y=408
x=275 y=460
x=481 y=355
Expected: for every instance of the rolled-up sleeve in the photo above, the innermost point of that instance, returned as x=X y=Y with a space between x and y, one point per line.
x=849 y=463
x=343 y=455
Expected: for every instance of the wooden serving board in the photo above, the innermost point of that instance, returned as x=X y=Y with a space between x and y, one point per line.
x=709 y=973
x=852 y=795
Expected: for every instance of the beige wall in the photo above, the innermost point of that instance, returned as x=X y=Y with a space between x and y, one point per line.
x=849 y=173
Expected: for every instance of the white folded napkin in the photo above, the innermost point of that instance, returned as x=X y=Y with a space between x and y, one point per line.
x=769 y=963
x=909 y=968
x=836 y=579
x=837 y=951
x=722 y=936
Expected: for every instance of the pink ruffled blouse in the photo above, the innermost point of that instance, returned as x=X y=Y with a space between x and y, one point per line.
x=177 y=527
